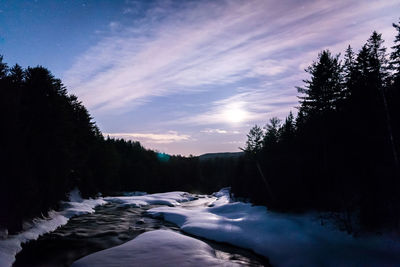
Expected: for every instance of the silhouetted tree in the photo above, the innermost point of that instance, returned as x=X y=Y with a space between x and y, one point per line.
x=323 y=90
x=288 y=130
x=272 y=133
x=254 y=141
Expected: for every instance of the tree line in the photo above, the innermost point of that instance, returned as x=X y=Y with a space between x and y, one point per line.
x=341 y=152
x=50 y=145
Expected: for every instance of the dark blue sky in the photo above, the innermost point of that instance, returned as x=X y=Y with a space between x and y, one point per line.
x=185 y=77
x=53 y=33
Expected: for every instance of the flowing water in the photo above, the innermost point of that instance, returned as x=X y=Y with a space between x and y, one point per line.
x=110 y=225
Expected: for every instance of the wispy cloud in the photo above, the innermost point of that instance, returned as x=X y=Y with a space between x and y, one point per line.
x=155 y=138
x=211 y=69
x=219 y=131
x=114 y=25
x=197 y=45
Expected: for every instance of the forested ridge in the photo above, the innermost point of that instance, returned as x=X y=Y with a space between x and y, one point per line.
x=340 y=153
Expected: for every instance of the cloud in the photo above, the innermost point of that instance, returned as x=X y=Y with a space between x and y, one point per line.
x=114 y=25
x=188 y=46
x=128 y=10
x=155 y=138
x=219 y=131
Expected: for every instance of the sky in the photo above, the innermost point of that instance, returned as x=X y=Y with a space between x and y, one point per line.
x=186 y=77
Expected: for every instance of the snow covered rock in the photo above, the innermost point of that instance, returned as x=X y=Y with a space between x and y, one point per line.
x=170 y=199
x=156 y=248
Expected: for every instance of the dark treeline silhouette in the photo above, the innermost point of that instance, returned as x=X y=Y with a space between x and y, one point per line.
x=341 y=152
x=50 y=145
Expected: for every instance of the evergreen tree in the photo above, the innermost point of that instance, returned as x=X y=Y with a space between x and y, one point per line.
x=272 y=134
x=349 y=70
x=394 y=97
x=395 y=57
x=377 y=59
x=17 y=74
x=254 y=141
x=380 y=78
x=288 y=129
x=323 y=90
x=300 y=119
x=3 y=68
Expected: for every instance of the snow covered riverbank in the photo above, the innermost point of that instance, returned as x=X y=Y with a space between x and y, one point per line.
x=10 y=246
x=287 y=240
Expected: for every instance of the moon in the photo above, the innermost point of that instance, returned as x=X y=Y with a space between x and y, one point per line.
x=235 y=113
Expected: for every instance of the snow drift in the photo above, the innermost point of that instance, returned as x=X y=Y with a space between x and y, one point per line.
x=156 y=248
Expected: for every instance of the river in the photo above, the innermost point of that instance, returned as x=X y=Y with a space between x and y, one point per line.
x=111 y=225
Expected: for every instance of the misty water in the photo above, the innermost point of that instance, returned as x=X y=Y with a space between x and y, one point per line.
x=110 y=225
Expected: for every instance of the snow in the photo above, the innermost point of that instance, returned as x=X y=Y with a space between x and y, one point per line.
x=76 y=206
x=287 y=240
x=156 y=248
x=169 y=199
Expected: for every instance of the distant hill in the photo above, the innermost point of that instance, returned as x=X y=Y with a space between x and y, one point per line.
x=220 y=155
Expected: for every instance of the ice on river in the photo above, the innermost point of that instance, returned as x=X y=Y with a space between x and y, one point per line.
x=156 y=248
x=287 y=240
